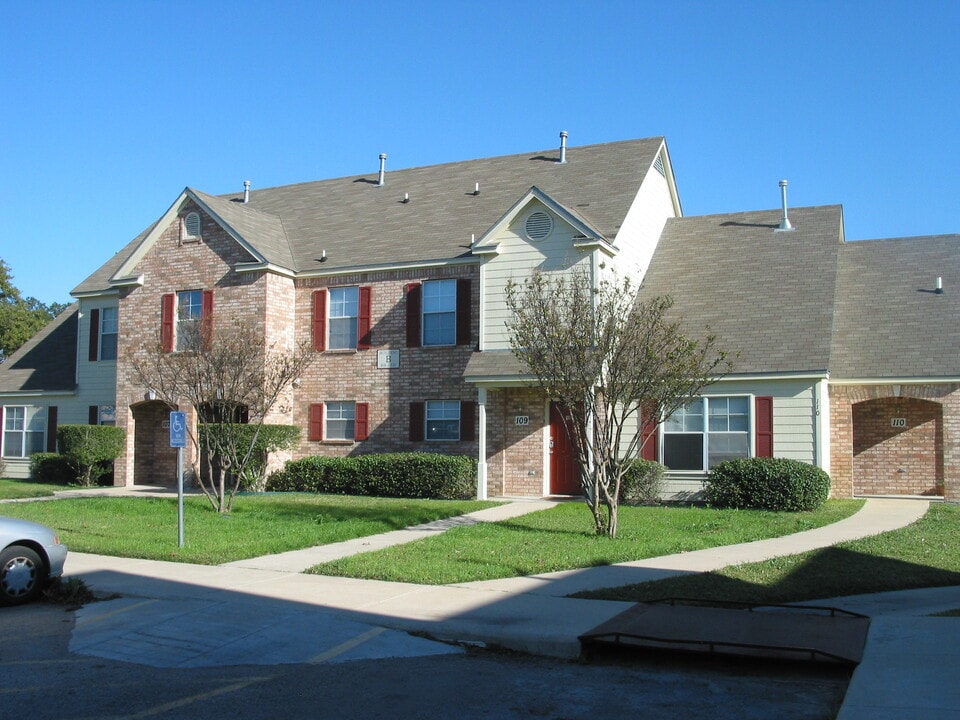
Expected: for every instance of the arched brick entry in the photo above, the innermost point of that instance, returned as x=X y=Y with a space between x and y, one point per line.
x=155 y=462
x=898 y=447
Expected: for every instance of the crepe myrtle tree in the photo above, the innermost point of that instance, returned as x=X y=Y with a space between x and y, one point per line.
x=233 y=380
x=616 y=364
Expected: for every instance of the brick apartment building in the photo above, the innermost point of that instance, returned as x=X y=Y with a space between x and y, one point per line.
x=846 y=352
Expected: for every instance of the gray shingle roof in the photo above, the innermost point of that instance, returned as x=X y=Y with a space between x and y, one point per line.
x=889 y=321
x=48 y=361
x=360 y=224
x=766 y=295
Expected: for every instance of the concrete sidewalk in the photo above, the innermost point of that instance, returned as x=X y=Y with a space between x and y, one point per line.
x=905 y=672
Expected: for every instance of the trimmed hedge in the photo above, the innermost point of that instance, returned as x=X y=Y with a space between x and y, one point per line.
x=399 y=475
x=51 y=468
x=767 y=484
x=642 y=483
x=90 y=449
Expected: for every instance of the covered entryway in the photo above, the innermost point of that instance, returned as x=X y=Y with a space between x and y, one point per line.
x=898 y=447
x=155 y=462
x=564 y=471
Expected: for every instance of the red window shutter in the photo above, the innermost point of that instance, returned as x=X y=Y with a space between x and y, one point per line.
x=648 y=432
x=93 y=415
x=414 y=293
x=320 y=320
x=94 y=353
x=167 y=307
x=468 y=424
x=206 y=319
x=361 y=423
x=315 y=431
x=52 y=428
x=417 y=420
x=763 y=424
x=464 y=301
x=363 y=318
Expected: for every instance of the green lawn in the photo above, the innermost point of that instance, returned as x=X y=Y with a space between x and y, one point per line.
x=562 y=538
x=258 y=525
x=17 y=489
x=925 y=554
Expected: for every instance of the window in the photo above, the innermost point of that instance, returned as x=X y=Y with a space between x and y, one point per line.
x=440 y=312
x=707 y=431
x=340 y=421
x=344 y=310
x=24 y=430
x=102 y=415
x=186 y=320
x=108 y=334
x=443 y=420
x=345 y=315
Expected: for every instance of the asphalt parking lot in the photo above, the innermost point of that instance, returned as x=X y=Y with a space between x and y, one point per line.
x=53 y=669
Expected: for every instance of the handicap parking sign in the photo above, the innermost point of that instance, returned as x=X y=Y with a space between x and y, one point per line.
x=178 y=429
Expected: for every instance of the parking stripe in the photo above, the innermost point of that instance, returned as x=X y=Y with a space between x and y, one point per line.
x=345 y=646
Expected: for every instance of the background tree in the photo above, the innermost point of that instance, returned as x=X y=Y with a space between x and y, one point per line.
x=20 y=318
x=233 y=380
x=615 y=363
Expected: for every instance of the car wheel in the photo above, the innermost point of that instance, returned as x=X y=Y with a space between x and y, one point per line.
x=22 y=574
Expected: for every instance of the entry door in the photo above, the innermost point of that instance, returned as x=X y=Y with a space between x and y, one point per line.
x=564 y=471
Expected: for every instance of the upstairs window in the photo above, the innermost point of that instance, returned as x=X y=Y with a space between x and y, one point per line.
x=439 y=313
x=103 y=334
x=342 y=318
x=344 y=306
x=186 y=322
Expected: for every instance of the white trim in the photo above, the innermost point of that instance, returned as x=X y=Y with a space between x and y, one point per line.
x=413 y=265
x=545 y=443
x=38 y=393
x=264 y=267
x=945 y=380
x=812 y=375
x=112 y=292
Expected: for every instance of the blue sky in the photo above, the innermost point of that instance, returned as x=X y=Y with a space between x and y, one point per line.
x=109 y=109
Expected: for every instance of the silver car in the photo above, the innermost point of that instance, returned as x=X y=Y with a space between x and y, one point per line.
x=32 y=555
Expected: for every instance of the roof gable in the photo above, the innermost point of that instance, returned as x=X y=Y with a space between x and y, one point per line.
x=48 y=361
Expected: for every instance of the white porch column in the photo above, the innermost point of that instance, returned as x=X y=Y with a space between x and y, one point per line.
x=482 y=460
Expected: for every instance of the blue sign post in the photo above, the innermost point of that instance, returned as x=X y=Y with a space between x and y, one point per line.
x=178 y=440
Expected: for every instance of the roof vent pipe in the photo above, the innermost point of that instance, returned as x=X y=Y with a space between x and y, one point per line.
x=939 y=290
x=563 y=146
x=381 y=179
x=246 y=191
x=784 y=220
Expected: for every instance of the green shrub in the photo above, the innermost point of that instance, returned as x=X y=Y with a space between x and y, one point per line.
x=642 y=483
x=767 y=483
x=51 y=468
x=270 y=438
x=404 y=475
x=90 y=449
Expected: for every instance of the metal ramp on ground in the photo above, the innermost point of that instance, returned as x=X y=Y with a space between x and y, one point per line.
x=788 y=632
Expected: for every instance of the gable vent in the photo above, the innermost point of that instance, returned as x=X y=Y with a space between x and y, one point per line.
x=191 y=225
x=538 y=225
x=658 y=164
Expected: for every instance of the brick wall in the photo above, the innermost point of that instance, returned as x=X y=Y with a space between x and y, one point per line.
x=869 y=456
x=515 y=453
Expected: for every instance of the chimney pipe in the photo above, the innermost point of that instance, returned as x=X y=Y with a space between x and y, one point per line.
x=246 y=191
x=784 y=220
x=381 y=180
x=563 y=146
x=939 y=289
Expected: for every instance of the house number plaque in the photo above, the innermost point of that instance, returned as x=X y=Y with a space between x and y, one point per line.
x=898 y=422
x=388 y=359
x=522 y=419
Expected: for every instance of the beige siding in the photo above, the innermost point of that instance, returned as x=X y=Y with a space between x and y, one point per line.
x=96 y=381
x=638 y=237
x=517 y=260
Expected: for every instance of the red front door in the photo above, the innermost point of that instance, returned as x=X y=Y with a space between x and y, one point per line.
x=564 y=471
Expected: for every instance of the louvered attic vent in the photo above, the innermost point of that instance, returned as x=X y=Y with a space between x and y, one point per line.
x=538 y=225
x=191 y=226
x=658 y=164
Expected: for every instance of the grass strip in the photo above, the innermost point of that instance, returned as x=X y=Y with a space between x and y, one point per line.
x=561 y=538
x=259 y=524
x=22 y=489
x=925 y=554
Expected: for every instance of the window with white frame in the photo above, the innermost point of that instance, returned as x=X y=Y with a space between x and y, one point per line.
x=439 y=312
x=707 y=431
x=24 y=430
x=343 y=314
x=106 y=415
x=189 y=313
x=443 y=420
x=340 y=421
x=108 y=334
